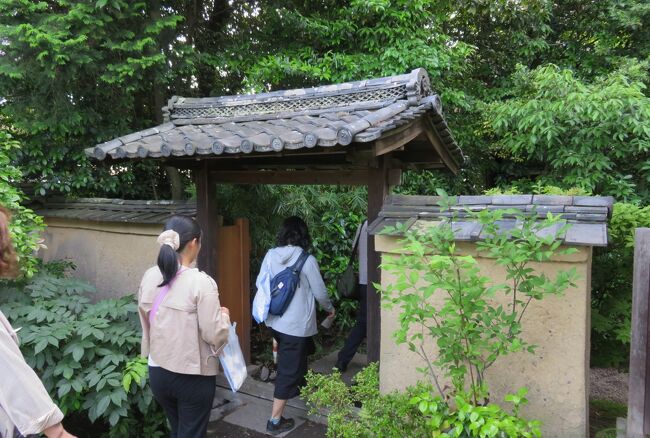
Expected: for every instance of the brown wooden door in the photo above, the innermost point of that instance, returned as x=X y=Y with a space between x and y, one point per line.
x=233 y=278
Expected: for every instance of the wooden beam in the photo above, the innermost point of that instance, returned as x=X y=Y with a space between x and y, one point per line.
x=339 y=177
x=378 y=189
x=291 y=159
x=638 y=414
x=206 y=215
x=398 y=138
x=438 y=145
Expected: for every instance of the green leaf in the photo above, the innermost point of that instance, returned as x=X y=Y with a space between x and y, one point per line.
x=102 y=405
x=40 y=346
x=126 y=382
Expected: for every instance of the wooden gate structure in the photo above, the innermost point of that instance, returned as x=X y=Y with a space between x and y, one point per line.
x=233 y=277
x=355 y=133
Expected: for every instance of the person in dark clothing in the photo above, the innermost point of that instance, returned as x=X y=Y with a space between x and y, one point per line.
x=358 y=332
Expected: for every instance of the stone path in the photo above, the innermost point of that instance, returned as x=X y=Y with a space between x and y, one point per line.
x=245 y=413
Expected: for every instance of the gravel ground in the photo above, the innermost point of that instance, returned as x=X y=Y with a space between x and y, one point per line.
x=609 y=384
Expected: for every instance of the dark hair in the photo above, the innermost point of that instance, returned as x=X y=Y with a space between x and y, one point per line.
x=8 y=258
x=294 y=231
x=187 y=230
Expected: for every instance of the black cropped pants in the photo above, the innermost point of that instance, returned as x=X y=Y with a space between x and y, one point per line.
x=186 y=400
x=292 y=364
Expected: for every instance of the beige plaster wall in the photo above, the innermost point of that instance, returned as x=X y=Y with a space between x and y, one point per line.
x=557 y=374
x=111 y=256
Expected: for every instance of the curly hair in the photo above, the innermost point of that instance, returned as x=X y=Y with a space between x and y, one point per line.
x=8 y=257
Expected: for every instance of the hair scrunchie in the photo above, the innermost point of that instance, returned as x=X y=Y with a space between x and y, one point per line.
x=171 y=238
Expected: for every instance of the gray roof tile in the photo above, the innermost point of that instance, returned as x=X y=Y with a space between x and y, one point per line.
x=511 y=199
x=116 y=210
x=593 y=201
x=324 y=116
x=587 y=218
x=552 y=200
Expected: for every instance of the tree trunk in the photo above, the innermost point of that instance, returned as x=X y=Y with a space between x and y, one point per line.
x=176 y=182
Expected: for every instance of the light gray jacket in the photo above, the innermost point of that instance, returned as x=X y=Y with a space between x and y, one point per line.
x=300 y=317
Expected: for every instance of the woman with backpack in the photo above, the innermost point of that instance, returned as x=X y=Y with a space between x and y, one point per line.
x=184 y=328
x=293 y=330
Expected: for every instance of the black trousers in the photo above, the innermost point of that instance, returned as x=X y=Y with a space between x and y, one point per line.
x=358 y=332
x=292 y=364
x=186 y=400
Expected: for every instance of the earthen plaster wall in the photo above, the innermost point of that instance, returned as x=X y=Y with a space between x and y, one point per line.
x=112 y=256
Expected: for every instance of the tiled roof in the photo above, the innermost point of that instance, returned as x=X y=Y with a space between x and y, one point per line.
x=323 y=116
x=587 y=215
x=116 y=210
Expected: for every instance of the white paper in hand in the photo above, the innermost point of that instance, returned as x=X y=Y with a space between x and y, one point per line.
x=232 y=361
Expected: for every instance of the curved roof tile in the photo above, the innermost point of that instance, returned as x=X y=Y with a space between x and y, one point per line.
x=325 y=116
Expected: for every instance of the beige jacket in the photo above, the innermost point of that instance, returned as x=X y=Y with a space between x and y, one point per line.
x=189 y=330
x=24 y=402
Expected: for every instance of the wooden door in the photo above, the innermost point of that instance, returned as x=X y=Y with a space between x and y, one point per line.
x=233 y=278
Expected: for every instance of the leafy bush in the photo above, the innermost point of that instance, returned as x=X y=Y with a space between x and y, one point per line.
x=470 y=329
x=386 y=415
x=594 y=135
x=82 y=351
x=612 y=287
x=537 y=188
x=25 y=226
x=469 y=420
x=411 y=413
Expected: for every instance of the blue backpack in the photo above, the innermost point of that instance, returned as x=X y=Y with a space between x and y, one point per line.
x=284 y=285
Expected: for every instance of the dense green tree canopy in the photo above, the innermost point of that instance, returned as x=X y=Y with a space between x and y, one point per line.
x=593 y=135
x=77 y=72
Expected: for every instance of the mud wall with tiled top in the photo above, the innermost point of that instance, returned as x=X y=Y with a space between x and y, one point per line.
x=557 y=374
x=111 y=256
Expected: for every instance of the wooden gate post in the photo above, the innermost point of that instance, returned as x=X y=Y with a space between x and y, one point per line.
x=378 y=188
x=206 y=216
x=638 y=410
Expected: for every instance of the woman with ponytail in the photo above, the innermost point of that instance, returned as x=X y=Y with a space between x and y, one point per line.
x=25 y=406
x=184 y=329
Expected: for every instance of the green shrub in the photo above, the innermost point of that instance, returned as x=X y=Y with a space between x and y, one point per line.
x=612 y=287
x=386 y=415
x=85 y=353
x=471 y=330
x=535 y=187
x=413 y=412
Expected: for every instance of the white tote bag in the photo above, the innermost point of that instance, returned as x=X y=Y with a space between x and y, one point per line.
x=232 y=361
x=262 y=299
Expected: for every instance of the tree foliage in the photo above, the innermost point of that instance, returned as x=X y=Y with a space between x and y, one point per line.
x=594 y=135
x=106 y=67
x=75 y=73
